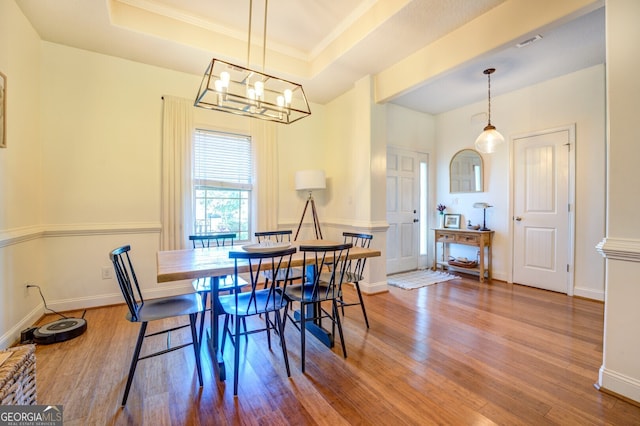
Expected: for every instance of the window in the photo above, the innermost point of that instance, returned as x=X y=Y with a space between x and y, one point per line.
x=222 y=184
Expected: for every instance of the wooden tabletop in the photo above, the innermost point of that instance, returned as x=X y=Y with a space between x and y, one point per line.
x=176 y=265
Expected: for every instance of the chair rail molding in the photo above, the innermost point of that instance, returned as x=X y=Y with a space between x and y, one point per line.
x=619 y=249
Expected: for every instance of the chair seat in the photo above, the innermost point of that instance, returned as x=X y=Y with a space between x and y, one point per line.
x=248 y=306
x=304 y=292
x=226 y=283
x=167 y=307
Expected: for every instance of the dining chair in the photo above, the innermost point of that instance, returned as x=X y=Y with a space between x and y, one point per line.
x=280 y=236
x=318 y=288
x=145 y=311
x=227 y=283
x=257 y=301
x=354 y=270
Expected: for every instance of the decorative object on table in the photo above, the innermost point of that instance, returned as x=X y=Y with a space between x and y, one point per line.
x=472 y=227
x=484 y=207
x=3 y=110
x=462 y=262
x=420 y=278
x=441 y=209
x=244 y=91
x=308 y=180
x=452 y=221
x=490 y=138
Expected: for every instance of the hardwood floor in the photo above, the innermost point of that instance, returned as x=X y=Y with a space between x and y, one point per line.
x=454 y=353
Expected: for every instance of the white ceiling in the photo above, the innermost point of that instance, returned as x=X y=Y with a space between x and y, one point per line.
x=328 y=34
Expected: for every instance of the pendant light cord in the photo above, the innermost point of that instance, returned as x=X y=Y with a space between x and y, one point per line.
x=489 y=96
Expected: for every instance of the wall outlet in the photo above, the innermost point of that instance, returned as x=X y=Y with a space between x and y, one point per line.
x=107 y=273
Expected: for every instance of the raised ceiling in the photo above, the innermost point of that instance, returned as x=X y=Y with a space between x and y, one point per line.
x=326 y=45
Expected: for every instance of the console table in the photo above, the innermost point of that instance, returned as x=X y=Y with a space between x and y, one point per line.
x=480 y=239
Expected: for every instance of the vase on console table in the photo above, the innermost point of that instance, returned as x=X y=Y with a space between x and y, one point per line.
x=441 y=220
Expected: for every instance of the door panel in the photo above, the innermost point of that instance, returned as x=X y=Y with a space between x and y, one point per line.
x=541 y=211
x=403 y=186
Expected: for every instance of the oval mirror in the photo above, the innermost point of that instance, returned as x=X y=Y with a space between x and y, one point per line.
x=465 y=172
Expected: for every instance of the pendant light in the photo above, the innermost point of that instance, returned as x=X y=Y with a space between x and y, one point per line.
x=244 y=91
x=490 y=138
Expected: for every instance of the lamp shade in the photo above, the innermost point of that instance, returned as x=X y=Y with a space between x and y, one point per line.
x=489 y=140
x=481 y=205
x=310 y=179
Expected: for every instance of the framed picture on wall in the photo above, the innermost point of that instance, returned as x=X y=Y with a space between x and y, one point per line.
x=452 y=221
x=3 y=110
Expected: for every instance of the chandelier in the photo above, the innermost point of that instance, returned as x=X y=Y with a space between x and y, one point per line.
x=490 y=138
x=241 y=90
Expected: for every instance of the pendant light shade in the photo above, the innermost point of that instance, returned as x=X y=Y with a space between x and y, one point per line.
x=490 y=138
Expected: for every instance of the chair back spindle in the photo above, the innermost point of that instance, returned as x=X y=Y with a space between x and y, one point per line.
x=127 y=280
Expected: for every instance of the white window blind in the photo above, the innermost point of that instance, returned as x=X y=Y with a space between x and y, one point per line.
x=222 y=159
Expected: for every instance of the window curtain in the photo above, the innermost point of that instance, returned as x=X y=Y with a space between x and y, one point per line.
x=177 y=128
x=264 y=138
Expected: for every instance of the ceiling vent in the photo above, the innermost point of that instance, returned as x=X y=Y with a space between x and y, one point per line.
x=529 y=41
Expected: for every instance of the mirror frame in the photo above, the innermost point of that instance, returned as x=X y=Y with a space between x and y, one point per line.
x=479 y=174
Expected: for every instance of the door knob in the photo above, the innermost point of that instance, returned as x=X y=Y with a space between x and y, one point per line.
x=415 y=220
x=518 y=218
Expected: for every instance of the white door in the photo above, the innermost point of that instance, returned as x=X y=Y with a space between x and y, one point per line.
x=542 y=218
x=403 y=204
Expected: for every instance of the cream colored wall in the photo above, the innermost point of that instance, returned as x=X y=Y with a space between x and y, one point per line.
x=301 y=146
x=575 y=98
x=20 y=176
x=102 y=156
x=620 y=371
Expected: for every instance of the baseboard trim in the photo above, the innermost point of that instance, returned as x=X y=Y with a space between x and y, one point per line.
x=12 y=336
x=63 y=305
x=620 y=384
x=589 y=294
x=373 y=288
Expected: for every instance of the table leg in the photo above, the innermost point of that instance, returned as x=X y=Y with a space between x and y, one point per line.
x=312 y=311
x=325 y=336
x=213 y=335
x=481 y=262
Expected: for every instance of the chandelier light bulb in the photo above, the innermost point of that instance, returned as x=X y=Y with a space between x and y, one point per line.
x=259 y=87
x=288 y=96
x=225 y=77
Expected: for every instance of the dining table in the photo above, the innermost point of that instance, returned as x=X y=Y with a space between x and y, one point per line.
x=214 y=263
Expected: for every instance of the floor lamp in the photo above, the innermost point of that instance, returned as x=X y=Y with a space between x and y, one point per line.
x=308 y=180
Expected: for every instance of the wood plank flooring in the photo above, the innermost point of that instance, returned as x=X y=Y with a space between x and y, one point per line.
x=454 y=353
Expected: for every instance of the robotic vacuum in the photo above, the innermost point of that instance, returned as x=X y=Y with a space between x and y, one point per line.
x=59 y=331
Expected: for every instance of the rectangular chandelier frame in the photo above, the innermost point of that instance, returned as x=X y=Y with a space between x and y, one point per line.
x=238 y=90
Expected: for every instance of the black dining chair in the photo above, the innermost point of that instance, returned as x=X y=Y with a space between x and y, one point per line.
x=354 y=270
x=317 y=288
x=226 y=283
x=145 y=311
x=281 y=236
x=257 y=301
